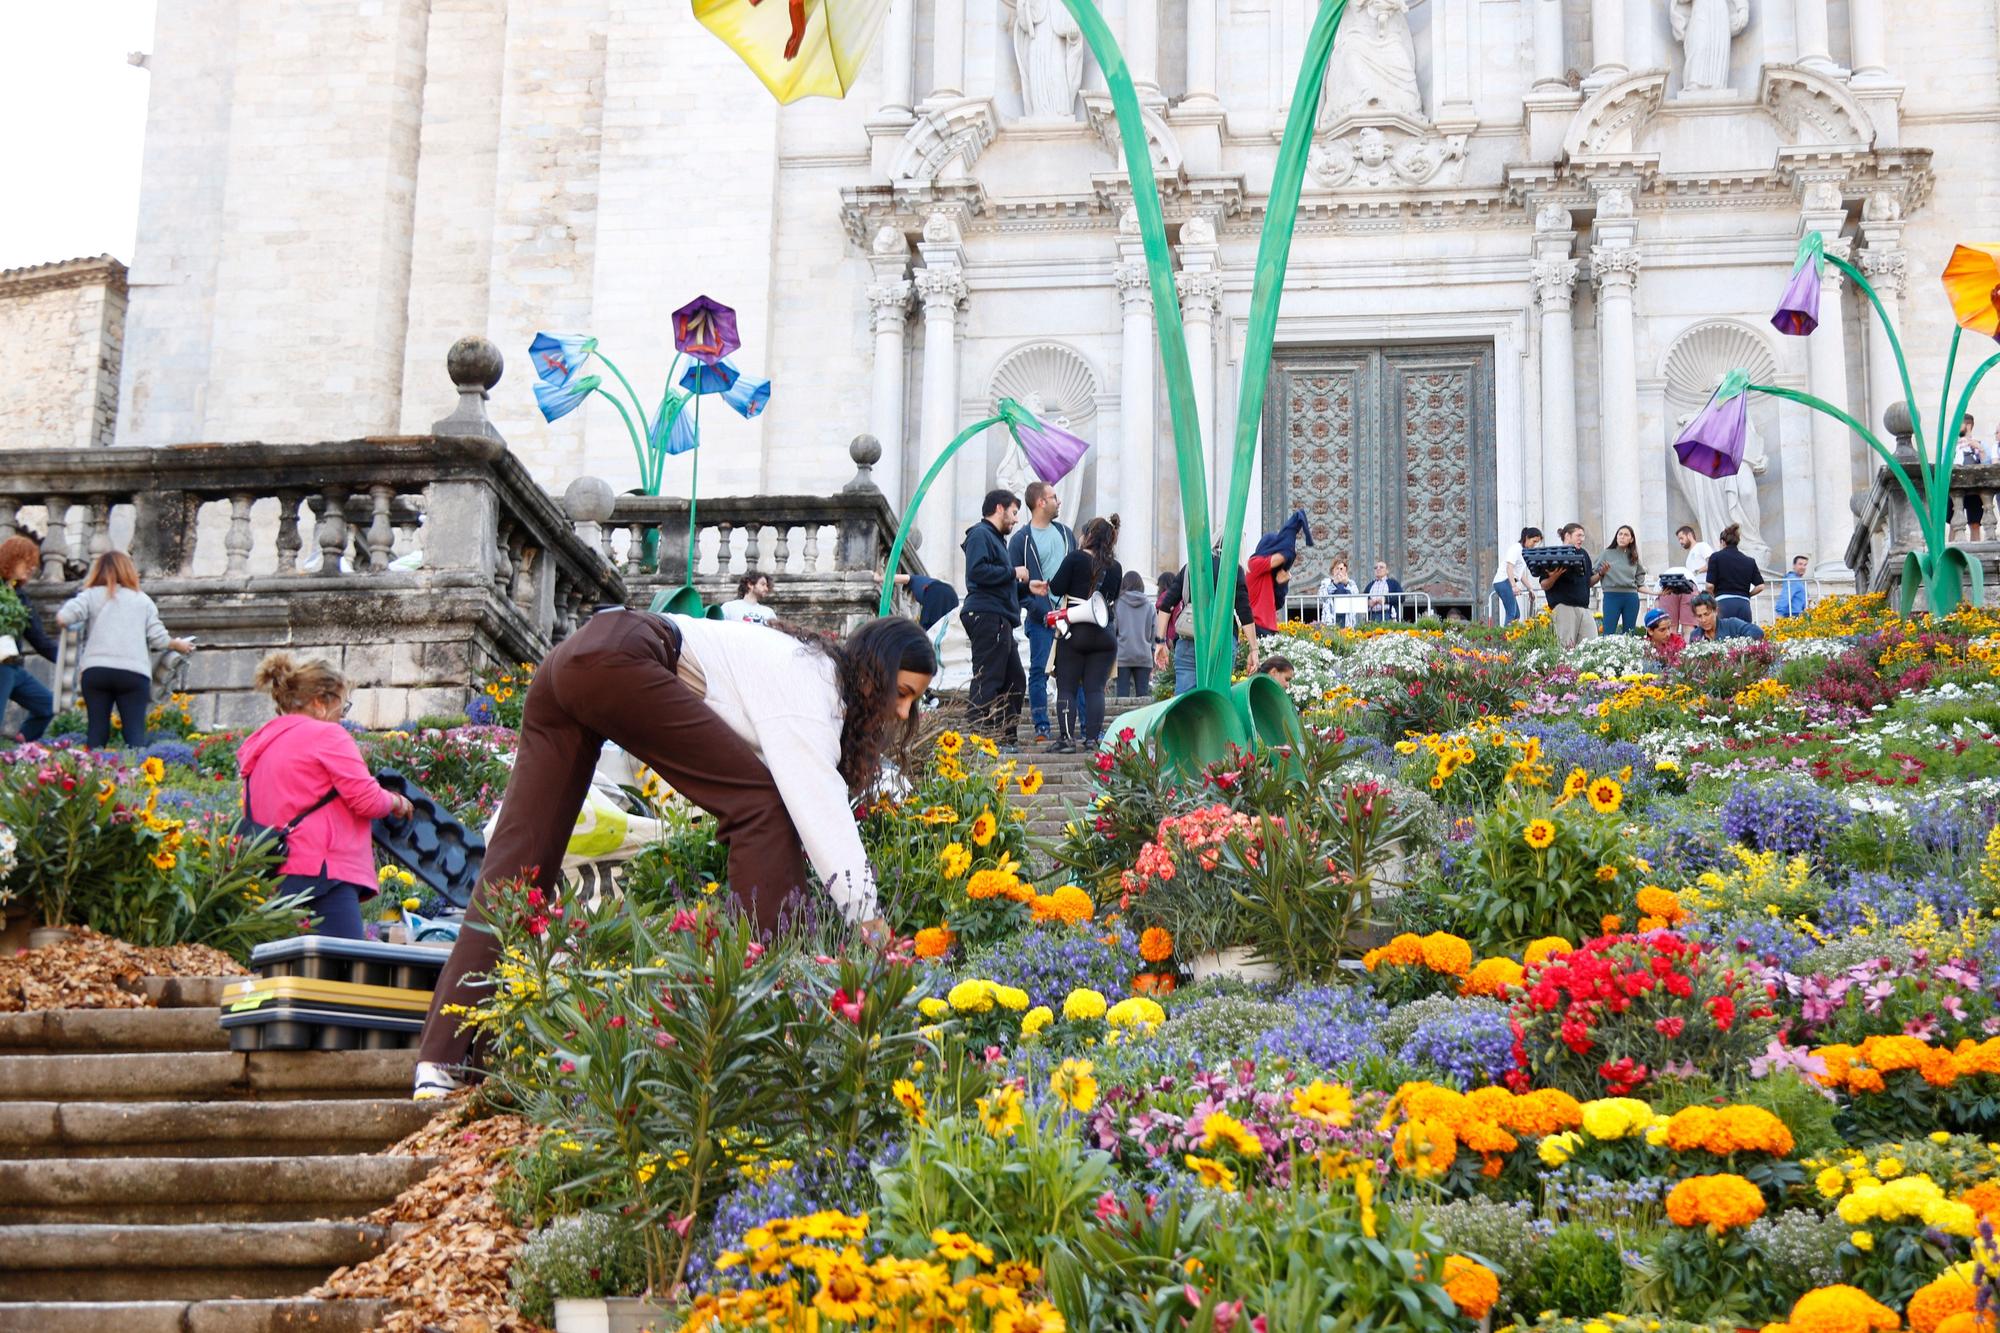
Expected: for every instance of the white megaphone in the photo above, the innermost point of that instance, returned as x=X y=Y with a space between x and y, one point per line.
x=1092 y=611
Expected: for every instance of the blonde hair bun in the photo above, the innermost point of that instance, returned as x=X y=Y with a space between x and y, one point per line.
x=293 y=684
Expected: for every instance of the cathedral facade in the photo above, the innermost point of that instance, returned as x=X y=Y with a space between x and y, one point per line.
x=1534 y=234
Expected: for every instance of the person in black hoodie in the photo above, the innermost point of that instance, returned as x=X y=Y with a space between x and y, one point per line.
x=20 y=557
x=991 y=611
x=1085 y=654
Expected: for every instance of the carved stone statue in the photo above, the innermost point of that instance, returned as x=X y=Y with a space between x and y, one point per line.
x=1704 y=29
x=1719 y=501
x=1048 y=48
x=1374 y=64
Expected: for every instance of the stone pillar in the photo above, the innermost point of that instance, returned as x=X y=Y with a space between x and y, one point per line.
x=1549 y=54
x=899 y=59
x=1200 y=285
x=1140 y=431
x=1142 y=43
x=1616 y=269
x=940 y=285
x=889 y=315
x=1200 y=52
x=1452 y=55
x=1554 y=277
x=1867 y=41
x=1832 y=454
x=1607 y=43
x=1887 y=266
x=948 y=51
x=1809 y=25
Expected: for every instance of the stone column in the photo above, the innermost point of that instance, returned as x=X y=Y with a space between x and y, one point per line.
x=1887 y=266
x=1554 y=277
x=940 y=285
x=1616 y=270
x=1607 y=43
x=948 y=50
x=1549 y=54
x=1142 y=43
x=1832 y=454
x=1809 y=25
x=1451 y=57
x=889 y=303
x=1140 y=432
x=1200 y=285
x=899 y=61
x=1867 y=41
x=1200 y=51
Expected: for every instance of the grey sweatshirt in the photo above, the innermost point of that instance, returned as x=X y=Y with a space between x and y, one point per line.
x=1619 y=575
x=121 y=632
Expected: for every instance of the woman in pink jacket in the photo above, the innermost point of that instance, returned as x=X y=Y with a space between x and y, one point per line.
x=304 y=763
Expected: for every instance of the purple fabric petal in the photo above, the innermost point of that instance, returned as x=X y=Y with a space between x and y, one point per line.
x=1713 y=442
x=1052 y=452
x=705 y=329
x=1798 y=309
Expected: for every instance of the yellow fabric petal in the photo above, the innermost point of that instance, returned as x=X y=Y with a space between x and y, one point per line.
x=837 y=38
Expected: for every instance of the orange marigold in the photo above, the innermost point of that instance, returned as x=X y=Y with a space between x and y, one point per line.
x=1842 y=1309
x=1447 y=953
x=1156 y=945
x=1983 y=1198
x=1721 y=1203
x=1425 y=1147
x=935 y=941
x=1943 y=1296
x=1731 y=1129
x=1889 y=1054
x=1543 y=1112
x=1656 y=901
x=1979 y=1057
x=1965 y=1321
x=1473 y=1287
x=1494 y=977
x=1404 y=950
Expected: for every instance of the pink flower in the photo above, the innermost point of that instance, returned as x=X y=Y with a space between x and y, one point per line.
x=538 y=925
x=683 y=922
x=569 y=1066
x=1108 y=1207
x=849 y=1009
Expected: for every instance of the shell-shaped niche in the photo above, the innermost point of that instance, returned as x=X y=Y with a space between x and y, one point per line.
x=1057 y=376
x=1700 y=358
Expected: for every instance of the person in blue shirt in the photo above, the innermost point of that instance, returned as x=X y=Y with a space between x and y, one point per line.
x=1710 y=623
x=1038 y=547
x=1792 y=591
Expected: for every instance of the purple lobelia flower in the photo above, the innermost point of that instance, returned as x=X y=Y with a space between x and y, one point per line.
x=1798 y=309
x=705 y=329
x=1712 y=443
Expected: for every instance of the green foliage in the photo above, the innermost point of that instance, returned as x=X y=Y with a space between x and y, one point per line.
x=1801 y=1250
x=464 y=771
x=1578 y=1272
x=1504 y=1238
x=1512 y=892
x=585 y=1257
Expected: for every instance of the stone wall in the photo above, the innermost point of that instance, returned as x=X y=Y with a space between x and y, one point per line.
x=65 y=324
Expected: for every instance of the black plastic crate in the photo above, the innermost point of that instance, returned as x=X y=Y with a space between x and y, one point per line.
x=283 y=1026
x=361 y=962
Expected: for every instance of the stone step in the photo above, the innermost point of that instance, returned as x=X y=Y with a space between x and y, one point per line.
x=154 y=1190
x=80 y=1031
x=260 y=1316
x=186 y=992
x=301 y=1128
x=218 y=1261
x=206 y=1076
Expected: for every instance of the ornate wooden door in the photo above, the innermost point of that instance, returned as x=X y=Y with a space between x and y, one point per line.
x=1389 y=450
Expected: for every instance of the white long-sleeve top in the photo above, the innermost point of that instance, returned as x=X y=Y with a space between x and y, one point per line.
x=779 y=695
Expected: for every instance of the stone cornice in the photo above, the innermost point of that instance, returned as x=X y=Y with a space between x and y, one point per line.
x=93 y=271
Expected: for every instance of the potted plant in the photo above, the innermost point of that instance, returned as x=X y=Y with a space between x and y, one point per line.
x=575 y=1273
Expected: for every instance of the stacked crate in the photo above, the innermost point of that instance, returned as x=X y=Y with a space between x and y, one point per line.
x=319 y=993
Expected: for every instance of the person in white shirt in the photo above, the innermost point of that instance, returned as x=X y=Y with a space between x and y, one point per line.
x=1511 y=575
x=776 y=734
x=752 y=592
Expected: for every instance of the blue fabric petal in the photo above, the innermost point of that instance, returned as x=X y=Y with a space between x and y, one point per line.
x=748 y=396
x=558 y=357
x=559 y=400
x=700 y=377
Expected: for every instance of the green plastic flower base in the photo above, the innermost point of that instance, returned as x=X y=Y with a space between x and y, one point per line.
x=1269 y=716
x=1193 y=730
x=681 y=601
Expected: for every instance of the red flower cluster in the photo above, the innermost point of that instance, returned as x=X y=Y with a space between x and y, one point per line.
x=1608 y=1016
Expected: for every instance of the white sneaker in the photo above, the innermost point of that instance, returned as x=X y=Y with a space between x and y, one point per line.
x=433 y=1082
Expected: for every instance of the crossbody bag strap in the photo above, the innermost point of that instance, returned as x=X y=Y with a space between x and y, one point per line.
x=299 y=818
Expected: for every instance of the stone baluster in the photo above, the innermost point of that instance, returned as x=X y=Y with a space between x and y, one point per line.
x=503 y=562
x=10 y=510
x=332 y=535
x=381 y=533
x=753 y=548
x=289 y=541
x=526 y=557
x=236 y=545
x=781 y=557
x=55 y=542
x=97 y=535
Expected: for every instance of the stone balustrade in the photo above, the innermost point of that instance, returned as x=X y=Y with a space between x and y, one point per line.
x=825 y=553
x=1886 y=529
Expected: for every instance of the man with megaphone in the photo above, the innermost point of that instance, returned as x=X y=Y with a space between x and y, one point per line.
x=1083 y=589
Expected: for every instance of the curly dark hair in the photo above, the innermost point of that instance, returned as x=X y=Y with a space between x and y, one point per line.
x=865 y=669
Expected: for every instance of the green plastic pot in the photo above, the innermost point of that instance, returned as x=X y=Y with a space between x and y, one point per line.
x=682 y=601
x=1270 y=718
x=1192 y=731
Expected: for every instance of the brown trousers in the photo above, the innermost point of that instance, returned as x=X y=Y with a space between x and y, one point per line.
x=614 y=680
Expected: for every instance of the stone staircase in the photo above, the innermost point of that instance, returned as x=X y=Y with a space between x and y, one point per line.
x=1066 y=785
x=154 y=1181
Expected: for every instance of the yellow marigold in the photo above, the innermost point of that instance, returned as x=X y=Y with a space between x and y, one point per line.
x=935 y=941
x=1612 y=1118
x=1494 y=977
x=1473 y=1287
x=1721 y=1203
x=990 y=883
x=1424 y=1147
x=1324 y=1104
x=1950 y=1293
x=1227 y=1129
x=1011 y=998
x=1545 y=948
x=1155 y=945
x=971 y=997
x=1447 y=953
x=1842 y=1309
x=1557 y=1149
x=933 y=1008
x=1539 y=834
x=1215 y=1175
x=1606 y=796
x=1036 y=1019
x=1083 y=1004
x=1135 y=1011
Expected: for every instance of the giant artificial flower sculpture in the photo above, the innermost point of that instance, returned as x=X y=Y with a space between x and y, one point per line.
x=1712 y=443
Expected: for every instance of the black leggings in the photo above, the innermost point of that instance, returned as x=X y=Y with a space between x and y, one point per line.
x=128 y=691
x=1081 y=663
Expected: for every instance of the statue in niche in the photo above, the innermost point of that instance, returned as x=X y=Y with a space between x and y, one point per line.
x=1719 y=501
x=1013 y=473
x=1048 y=48
x=1704 y=29
x=1374 y=63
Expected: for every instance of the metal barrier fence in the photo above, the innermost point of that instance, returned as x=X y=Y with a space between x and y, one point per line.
x=1763 y=606
x=1358 y=608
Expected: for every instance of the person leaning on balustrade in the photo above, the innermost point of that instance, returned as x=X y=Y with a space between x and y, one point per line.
x=120 y=629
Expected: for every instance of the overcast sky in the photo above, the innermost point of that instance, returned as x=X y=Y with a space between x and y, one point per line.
x=76 y=118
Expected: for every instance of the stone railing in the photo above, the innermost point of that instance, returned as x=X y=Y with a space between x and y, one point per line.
x=825 y=553
x=409 y=562
x=1886 y=529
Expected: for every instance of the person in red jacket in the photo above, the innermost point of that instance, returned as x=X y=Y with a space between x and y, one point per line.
x=303 y=765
